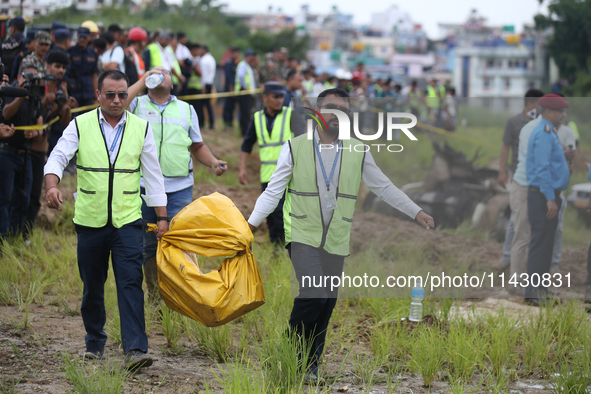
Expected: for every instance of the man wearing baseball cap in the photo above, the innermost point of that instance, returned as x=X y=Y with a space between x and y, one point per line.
x=29 y=48
x=15 y=45
x=547 y=175
x=84 y=69
x=270 y=127
x=38 y=56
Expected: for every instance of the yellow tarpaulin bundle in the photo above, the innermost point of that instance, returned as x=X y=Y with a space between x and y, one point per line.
x=210 y=226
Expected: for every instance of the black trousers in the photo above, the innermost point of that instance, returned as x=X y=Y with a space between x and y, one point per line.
x=245 y=103
x=229 y=104
x=37 y=163
x=197 y=105
x=124 y=245
x=275 y=221
x=206 y=103
x=313 y=307
x=541 y=244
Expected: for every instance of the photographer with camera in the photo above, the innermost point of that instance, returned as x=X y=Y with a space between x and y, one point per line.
x=55 y=103
x=16 y=175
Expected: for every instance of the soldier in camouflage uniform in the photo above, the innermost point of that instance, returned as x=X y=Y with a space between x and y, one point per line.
x=38 y=56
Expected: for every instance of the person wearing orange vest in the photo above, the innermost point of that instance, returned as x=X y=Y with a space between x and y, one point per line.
x=137 y=39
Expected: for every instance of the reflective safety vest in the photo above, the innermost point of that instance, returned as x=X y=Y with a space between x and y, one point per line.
x=194 y=82
x=414 y=99
x=302 y=215
x=108 y=193
x=156 y=60
x=137 y=60
x=248 y=77
x=378 y=89
x=573 y=126
x=433 y=100
x=171 y=134
x=270 y=145
x=329 y=85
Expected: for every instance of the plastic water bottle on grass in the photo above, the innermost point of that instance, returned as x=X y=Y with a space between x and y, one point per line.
x=416 y=305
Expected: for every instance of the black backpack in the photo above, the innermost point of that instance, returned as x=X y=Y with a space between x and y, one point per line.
x=130 y=69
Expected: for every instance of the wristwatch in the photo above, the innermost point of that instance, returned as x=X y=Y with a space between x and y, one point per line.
x=159 y=218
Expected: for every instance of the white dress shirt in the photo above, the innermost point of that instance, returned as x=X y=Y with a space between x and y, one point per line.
x=373 y=177
x=182 y=52
x=207 y=64
x=67 y=146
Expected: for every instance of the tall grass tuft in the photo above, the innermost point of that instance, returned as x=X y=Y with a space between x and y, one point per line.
x=105 y=377
x=215 y=342
x=427 y=354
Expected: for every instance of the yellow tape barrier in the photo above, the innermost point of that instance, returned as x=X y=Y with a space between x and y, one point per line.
x=189 y=97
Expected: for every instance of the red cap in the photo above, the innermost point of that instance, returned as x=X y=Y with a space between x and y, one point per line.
x=137 y=34
x=553 y=101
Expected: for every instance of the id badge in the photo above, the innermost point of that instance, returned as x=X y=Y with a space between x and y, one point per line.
x=331 y=201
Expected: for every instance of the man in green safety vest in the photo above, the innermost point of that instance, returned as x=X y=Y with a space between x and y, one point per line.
x=413 y=99
x=113 y=146
x=321 y=178
x=270 y=127
x=434 y=96
x=245 y=80
x=177 y=135
x=160 y=54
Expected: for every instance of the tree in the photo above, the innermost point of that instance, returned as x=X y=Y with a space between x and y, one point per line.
x=262 y=42
x=570 y=45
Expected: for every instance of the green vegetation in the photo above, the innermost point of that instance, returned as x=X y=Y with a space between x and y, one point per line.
x=203 y=21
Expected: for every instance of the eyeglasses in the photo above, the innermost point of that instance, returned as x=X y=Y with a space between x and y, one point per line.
x=167 y=72
x=111 y=95
x=347 y=111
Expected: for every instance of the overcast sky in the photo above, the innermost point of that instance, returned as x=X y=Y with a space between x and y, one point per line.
x=426 y=12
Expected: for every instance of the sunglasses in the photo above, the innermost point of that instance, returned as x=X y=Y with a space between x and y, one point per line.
x=345 y=110
x=167 y=72
x=111 y=95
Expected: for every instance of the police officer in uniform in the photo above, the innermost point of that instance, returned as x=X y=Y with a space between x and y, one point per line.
x=269 y=127
x=113 y=145
x=29 y=47
x=547 y=175
x=14 y=45
x=84 y=69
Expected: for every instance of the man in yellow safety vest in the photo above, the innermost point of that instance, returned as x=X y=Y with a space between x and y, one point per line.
x=113 y=146
x=270 y=127
x=320 y=175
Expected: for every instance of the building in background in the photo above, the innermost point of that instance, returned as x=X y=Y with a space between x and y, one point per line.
x=25 y=8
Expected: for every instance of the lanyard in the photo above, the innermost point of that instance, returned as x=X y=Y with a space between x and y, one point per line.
x=334 y=165
x=119 y=130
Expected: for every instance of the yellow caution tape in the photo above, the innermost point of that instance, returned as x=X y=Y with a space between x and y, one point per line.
x=217 y=95
x=189 y=97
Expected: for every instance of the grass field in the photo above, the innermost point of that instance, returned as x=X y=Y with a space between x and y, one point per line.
x=462 y=346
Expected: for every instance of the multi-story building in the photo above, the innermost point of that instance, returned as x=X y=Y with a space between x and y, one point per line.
x=25 y=8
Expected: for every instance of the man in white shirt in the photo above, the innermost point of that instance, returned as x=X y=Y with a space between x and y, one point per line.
x=323 y=176
x=179 y=139
x=208 y=67
x=112 y=58
x=184 y=57
x=113 y=146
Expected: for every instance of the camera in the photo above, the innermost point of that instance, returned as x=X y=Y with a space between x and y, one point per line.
x=60 y=96
x=33 y=84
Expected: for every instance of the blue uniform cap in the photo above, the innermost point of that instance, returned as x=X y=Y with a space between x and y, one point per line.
x=17 y=21
x=274 y=87
x=249 y=52
x=83 y=32
x=60 y=34
x=30 y=36
x=57 y=25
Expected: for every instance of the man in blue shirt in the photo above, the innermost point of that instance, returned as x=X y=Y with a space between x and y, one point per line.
x=547 y=175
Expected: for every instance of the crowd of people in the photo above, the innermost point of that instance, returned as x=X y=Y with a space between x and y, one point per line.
x=543 y=145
